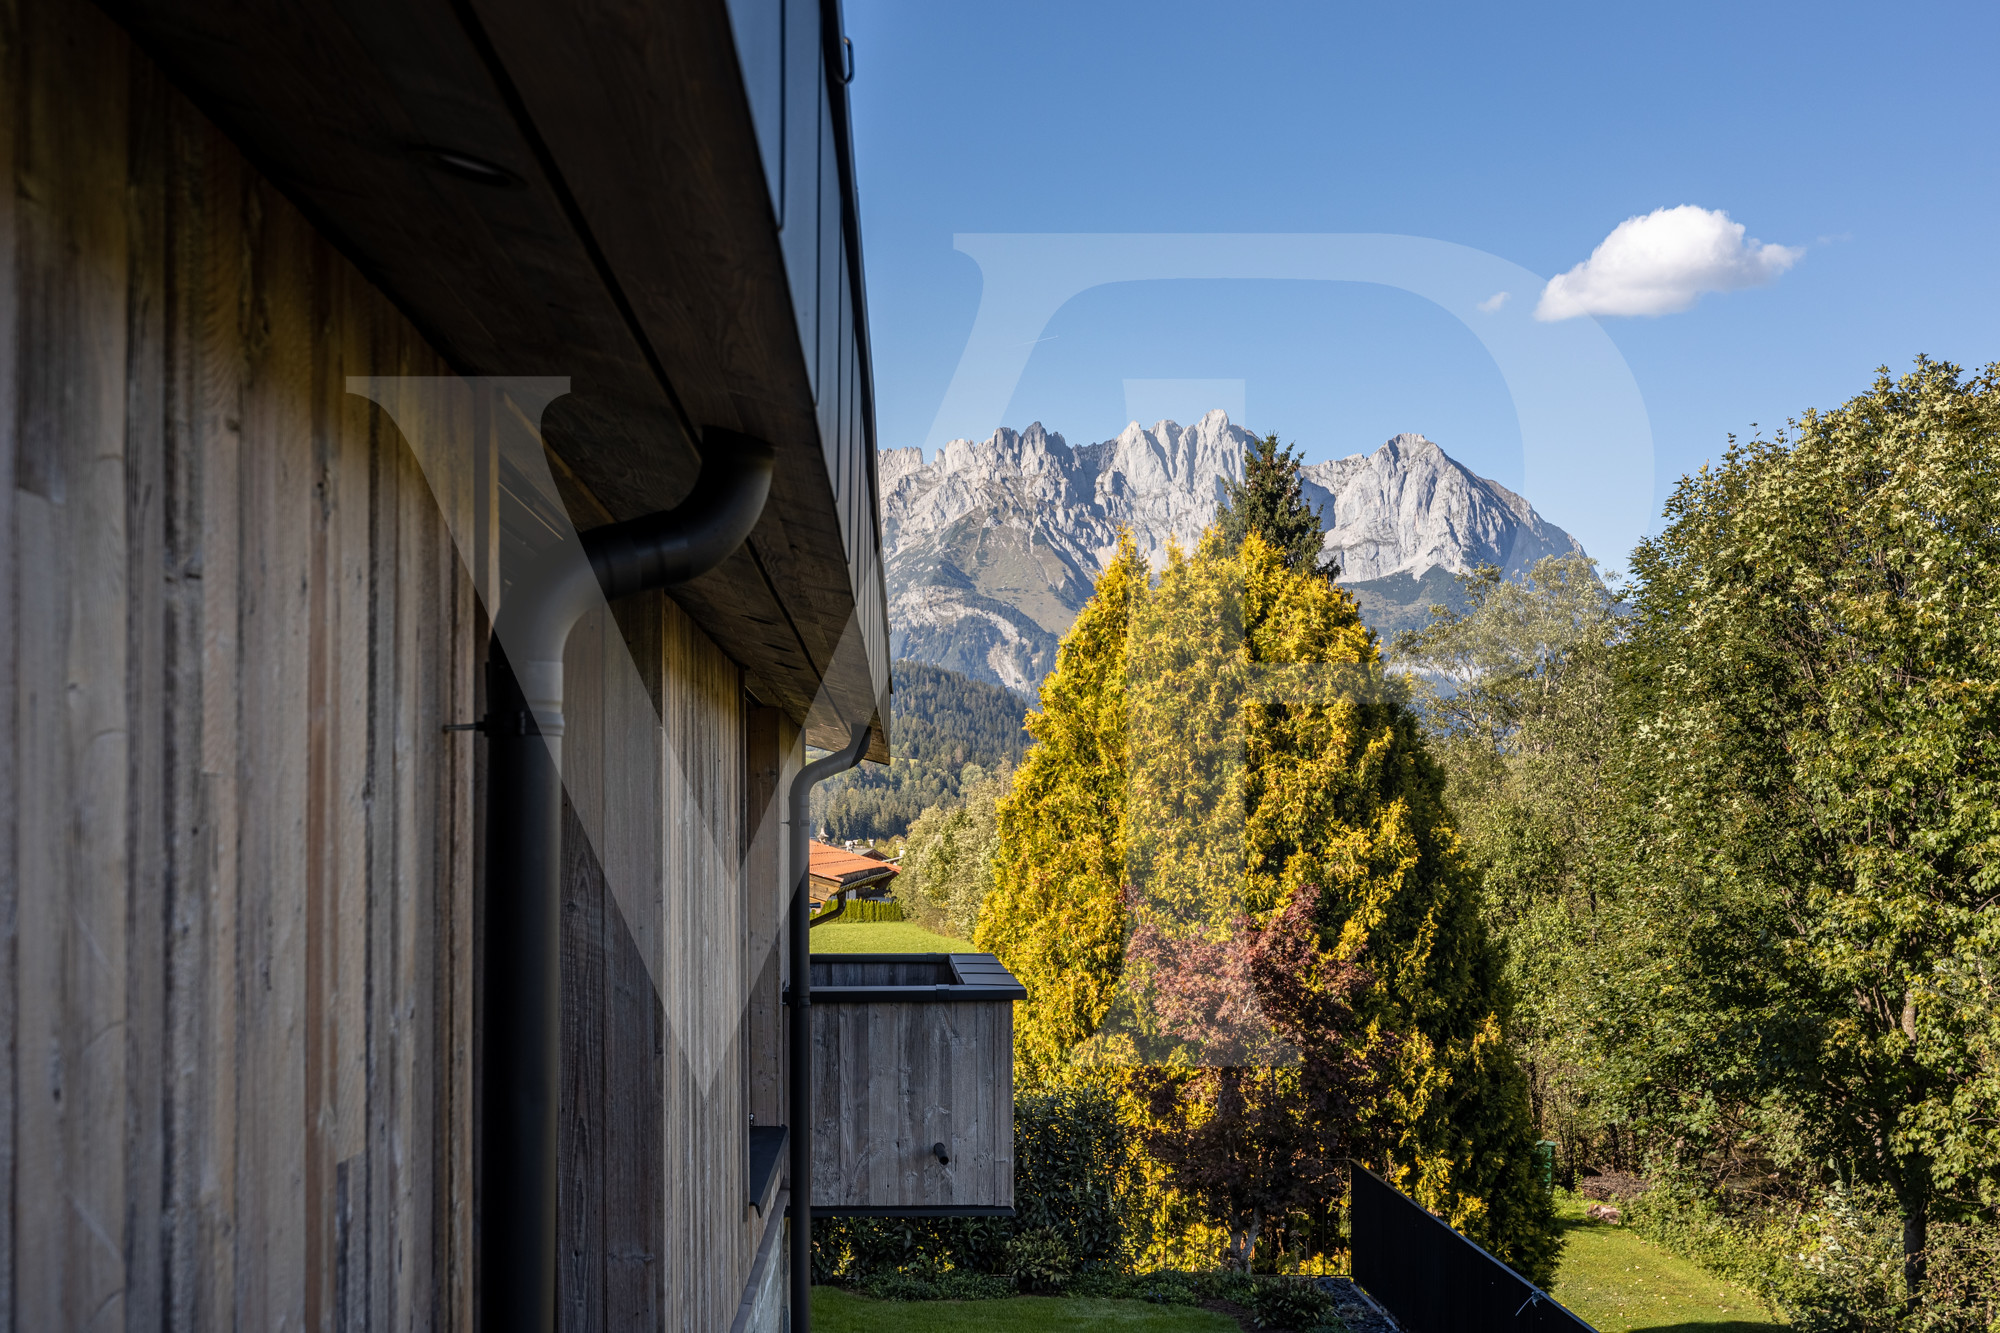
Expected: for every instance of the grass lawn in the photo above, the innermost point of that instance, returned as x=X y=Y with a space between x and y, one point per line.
x=1620 y=1283
x=837 y=1311
x=883 y=937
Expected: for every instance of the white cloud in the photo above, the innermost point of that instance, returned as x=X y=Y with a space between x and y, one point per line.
x=1494 y=302
x=1661 y=262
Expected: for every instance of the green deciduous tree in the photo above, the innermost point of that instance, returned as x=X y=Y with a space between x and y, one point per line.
x=947 y=867
x=1818 y=641
x=1520 y=697
x=1270 y=502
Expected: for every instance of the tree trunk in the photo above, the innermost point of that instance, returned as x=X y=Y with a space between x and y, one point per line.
x=1916 y=1239
x=1910 y=1179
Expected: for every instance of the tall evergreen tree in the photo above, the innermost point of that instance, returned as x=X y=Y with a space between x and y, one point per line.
x=1270 y=501
x=1223 y=743
x=1054 y=911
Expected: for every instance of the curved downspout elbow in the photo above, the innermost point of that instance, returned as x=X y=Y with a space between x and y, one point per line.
x=694 y=536
x=839 y=901
x=643 y=554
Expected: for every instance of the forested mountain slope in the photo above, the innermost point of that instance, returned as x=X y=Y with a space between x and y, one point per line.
x=939 y=722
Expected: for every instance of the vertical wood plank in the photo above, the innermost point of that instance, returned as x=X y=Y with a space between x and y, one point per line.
x=367 y=543
x=147 y=655
x=71 y=687
x=580 y=1275
x=13 y=88
x=457 y=818
x=201 y=562
x=340 y=738
x=282 y=1253
x=406 y=1080
x=633 y=1016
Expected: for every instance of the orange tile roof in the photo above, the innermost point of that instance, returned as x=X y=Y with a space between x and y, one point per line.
x=837 y=868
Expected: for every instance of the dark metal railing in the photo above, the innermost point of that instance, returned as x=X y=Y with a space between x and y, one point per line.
x=1433 y=1280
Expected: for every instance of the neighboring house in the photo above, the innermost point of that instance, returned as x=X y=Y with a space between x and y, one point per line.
x=860 y=874
x=330 y=333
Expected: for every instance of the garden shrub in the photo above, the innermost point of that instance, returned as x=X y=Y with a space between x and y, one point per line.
x=867 y=911
x=1962 y=1291
x=1069 y=1156
x=1225 y=1285
x=1835 y=1265
x=1289 y=1304
x=1832 y=1267
x=1040 y=1262
x=1164 y=1289
x=932 y=1284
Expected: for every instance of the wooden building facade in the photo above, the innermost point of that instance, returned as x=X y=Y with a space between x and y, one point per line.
x=240 y=614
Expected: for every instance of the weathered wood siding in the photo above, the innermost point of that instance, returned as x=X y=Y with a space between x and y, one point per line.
x=890 y=1081
x=236 y=880
x=670 y=974
x=237 y=869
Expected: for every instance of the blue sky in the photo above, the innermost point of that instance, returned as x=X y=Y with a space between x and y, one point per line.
x=1860 y=136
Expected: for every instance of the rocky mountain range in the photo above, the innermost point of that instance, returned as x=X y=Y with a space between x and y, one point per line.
x=993 y=547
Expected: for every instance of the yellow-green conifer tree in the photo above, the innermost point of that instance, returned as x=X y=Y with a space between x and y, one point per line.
x=1211 y=744
x=1054 y=910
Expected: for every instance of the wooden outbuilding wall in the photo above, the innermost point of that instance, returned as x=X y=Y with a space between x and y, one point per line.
x=912 y=1055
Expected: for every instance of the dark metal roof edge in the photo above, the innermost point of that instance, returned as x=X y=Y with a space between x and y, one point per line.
x=980 y=976
x=936 y=994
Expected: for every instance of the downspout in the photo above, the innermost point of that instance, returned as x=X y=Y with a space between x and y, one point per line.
x=521 y=1017
x=799 y=1031
x=839 y=900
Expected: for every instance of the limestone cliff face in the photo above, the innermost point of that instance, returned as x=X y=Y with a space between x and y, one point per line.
x=1408 y=508
x=993 y=547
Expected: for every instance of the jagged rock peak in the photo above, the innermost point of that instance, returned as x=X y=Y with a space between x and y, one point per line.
x=992 y=546
x=1160 y=482
x=1409 y=507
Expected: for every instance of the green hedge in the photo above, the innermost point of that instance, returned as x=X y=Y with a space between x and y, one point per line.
x=862 y=913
